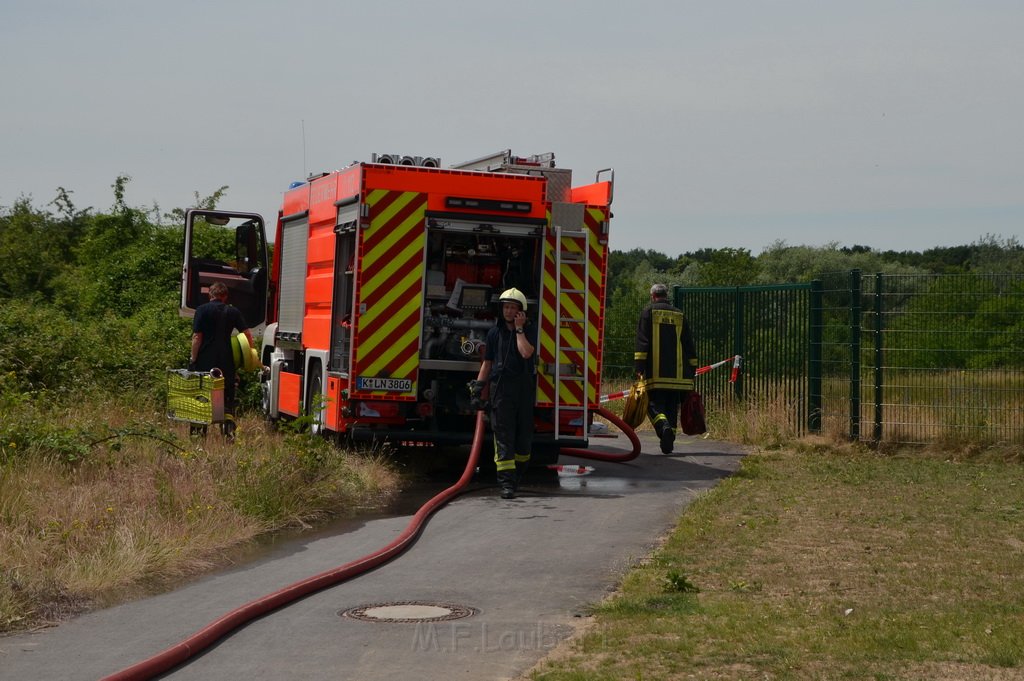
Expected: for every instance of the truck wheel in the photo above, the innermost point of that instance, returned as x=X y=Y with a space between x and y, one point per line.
x=265 y=399
x=265 y=391
x=315 y=400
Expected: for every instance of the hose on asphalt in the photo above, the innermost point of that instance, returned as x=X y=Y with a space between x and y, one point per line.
x=224 y=625
x=605 y=456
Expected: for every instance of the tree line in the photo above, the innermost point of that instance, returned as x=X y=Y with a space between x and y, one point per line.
x=89 y=298
x=782 y=263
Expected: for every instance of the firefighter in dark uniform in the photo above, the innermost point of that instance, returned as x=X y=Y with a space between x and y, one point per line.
x=666 y=358
x=509 y=373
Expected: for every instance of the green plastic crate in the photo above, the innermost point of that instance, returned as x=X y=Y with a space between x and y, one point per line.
x=195 y=396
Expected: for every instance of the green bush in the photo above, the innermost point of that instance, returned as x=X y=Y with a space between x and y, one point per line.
x=38 y=345
x=46 y=351
x=29 y=429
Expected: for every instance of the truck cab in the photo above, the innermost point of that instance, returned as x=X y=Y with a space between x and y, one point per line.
x=244 y=271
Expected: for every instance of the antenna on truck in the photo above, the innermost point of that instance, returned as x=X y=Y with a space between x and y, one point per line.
x=304 y=148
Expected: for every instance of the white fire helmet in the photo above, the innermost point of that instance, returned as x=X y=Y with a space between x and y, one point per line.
x=513 y=295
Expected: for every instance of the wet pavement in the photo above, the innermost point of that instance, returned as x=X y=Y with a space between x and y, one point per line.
x=488 y=588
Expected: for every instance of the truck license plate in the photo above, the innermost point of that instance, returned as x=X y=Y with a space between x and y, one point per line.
x=398 y=385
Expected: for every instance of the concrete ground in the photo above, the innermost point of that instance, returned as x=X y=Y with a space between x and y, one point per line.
x=521 y=573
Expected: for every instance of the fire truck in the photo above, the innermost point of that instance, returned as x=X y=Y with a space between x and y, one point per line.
x=383 y=283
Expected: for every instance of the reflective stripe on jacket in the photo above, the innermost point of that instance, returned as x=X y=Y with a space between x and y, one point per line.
x=664 y=343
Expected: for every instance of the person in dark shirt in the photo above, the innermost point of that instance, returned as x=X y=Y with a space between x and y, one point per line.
x=211 y=344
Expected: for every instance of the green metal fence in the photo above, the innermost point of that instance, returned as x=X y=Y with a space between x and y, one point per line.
x=924 y=358
x=766 y=326
x=882 y=358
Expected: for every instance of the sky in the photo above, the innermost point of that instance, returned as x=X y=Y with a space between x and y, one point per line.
x=891 y=124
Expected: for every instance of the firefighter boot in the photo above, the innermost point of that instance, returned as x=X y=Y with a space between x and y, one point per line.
x=521 y=472
x=508 y=487
x=668 y=438
x=522 y=465
x=507 y=481
x=228 y=427
x=666 y=434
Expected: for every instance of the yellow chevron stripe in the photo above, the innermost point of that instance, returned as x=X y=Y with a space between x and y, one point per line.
x=413 y=251
x=571 y=337
x=398 y=204
x=570 y=307
x=565 y=392
x=396 y=316
x=571 y=275
x=545 y=383
x=385 y=248
x=383 y=337
x=570 y=244
x=404 y=371
x=396 y=233
x=384 y=308
x=572 y=278
x=403 y=284
x=548 y=311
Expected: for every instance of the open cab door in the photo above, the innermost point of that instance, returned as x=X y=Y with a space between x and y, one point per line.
x=230 y=248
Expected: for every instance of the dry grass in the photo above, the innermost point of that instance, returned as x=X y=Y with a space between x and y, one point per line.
x=925 y=406
x=150 y=507
x=763 y=423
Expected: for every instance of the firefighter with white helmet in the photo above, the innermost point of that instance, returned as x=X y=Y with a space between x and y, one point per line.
x=509 y=373
x=513 y=295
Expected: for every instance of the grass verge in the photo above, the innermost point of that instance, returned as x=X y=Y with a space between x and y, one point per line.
x=121 y=502
x=822 y=565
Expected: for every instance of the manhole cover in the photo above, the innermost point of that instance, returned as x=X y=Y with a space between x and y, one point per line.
x=409 y=611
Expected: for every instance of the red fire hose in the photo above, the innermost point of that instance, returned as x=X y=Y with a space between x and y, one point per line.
x=221 y=627
x=602 y=456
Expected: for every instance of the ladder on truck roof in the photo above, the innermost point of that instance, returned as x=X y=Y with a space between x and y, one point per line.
x=572 y=317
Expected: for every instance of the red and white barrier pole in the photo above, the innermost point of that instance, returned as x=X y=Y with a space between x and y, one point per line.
x=736 y=362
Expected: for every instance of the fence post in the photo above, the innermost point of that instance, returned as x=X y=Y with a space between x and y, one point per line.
x=738 y=347
x=855 y=312
x=877 y=434
x=815 y=326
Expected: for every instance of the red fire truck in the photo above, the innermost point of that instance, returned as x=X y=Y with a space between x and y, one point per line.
x=384 y=281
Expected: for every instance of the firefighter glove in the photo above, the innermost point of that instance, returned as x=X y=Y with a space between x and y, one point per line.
x=476 y=391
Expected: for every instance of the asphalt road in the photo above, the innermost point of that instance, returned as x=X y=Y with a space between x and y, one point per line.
x=522 y=572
